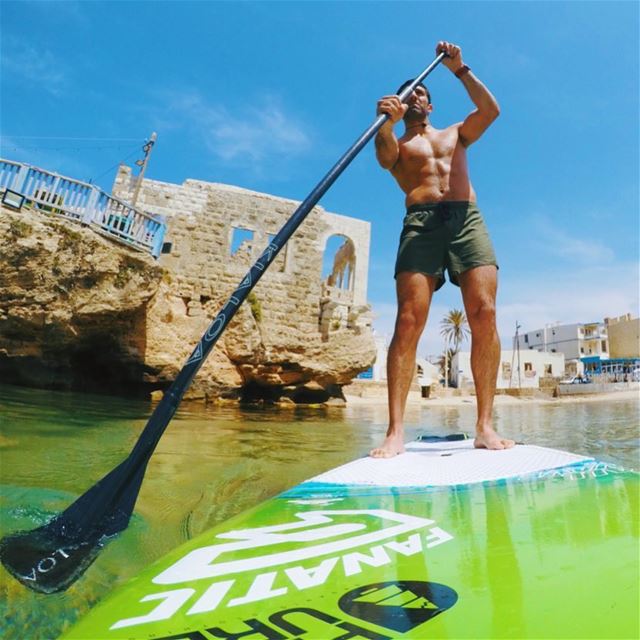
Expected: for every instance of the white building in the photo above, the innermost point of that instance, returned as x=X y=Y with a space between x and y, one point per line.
x=378 y=370
x=518 y=369
x=428 y=373
x=575 y=341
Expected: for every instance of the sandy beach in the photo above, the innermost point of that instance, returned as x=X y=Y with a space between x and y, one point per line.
x=380 y=397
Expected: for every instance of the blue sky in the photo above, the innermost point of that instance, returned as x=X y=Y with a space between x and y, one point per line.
x=267 y=96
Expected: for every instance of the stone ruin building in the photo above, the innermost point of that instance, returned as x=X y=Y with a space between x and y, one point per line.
x=311 y=332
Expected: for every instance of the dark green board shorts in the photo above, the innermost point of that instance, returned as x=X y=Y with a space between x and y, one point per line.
x=444 y=235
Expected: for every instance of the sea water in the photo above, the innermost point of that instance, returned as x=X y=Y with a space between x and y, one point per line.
x=216 y=461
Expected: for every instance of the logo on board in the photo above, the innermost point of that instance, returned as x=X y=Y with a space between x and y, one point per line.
x=400 y=605
x=258 y=566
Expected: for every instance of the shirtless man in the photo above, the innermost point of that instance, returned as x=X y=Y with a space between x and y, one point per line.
x=443 y=229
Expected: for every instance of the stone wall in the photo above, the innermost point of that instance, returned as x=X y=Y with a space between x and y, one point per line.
x=288 y=303
x=201 y=219
x=594 y=388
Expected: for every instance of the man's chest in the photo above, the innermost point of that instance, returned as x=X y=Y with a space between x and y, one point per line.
x=431 y=146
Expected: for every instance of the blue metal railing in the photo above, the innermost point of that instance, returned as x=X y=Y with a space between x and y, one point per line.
x=86 y=204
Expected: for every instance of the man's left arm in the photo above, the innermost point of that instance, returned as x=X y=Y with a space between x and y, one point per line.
x=487 y=109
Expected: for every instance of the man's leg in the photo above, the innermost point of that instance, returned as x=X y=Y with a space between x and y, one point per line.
x=414 y=291
x=479 y=287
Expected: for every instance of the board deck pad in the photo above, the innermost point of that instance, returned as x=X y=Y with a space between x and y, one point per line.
x=443 y=541
x=448 y=463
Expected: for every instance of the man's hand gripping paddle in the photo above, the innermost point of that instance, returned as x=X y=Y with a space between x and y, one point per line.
x=52 y=557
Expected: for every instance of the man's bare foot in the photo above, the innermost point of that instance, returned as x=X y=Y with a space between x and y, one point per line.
x=489 y=439
x=392 y=446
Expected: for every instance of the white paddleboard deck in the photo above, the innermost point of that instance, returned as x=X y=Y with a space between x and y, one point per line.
x=448 y=463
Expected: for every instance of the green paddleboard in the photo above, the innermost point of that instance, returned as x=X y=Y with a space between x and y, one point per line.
x=444 y=541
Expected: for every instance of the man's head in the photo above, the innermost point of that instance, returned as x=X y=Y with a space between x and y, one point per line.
x=418 y=103
x=404 y=85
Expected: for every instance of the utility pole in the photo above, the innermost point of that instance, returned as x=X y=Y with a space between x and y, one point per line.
x=513 y=357
x=518 y=351
x=143 y=166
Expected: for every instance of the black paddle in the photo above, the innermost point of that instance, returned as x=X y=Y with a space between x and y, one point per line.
x=50 y=558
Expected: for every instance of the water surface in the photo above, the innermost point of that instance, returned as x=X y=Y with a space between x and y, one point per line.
x=216 y=461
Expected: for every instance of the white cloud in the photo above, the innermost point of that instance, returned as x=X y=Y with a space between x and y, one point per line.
x=36 y=66
x=569 y=245
x=579 y=249
x=250 y=135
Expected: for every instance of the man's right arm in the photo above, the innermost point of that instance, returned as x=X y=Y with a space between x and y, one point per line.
x=387 y=147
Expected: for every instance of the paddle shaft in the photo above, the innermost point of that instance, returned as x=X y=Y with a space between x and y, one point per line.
x=172 y=397
x=117 y=492
x=50 y=558
x=106 y=507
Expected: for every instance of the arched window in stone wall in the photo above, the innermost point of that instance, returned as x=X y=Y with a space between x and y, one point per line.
x=339 y=263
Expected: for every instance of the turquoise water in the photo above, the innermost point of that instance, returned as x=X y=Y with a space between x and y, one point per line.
x=214 y=462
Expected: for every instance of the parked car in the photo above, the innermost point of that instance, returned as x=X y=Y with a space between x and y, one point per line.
x=576 y=380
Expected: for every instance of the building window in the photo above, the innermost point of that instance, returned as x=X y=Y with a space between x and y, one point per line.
x=241 y=240
x=339 y=262
x=604 y=346
x=528 y=366
x=526 y=338
x=581 y=349
x=548 y=370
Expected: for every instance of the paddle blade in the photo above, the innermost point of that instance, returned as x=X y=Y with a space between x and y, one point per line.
x=46 y=561
x=52 y=557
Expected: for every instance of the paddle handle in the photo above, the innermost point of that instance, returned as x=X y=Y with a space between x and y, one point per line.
x=169 y=403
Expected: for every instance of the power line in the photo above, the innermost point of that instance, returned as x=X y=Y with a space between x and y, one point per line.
x=8 y=147
x=71 y=138
x=146 y=147
x=114 y=166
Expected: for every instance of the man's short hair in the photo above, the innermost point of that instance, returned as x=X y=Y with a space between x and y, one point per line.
x=420 y=84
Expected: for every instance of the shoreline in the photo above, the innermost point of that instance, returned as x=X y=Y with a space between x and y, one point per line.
x=380 y=398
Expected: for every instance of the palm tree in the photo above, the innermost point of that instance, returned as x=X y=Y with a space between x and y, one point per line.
x=455 y=329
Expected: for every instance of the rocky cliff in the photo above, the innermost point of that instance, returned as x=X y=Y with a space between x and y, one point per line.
x=79 y=311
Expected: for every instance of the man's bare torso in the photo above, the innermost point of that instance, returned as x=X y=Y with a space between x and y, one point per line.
x=432 y=166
